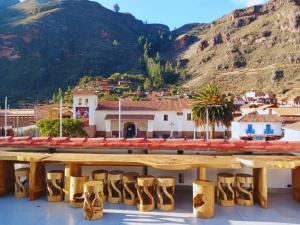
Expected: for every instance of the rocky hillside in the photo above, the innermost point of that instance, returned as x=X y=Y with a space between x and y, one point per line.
x=257 y=47
x=49 y=44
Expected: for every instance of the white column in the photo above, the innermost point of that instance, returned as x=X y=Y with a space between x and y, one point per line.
x=150 y=126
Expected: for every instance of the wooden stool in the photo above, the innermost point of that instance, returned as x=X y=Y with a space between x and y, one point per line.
x=76 y=191
x=21 y=189
x=145 y=190
x=244 y=195
x=129 y=188
x=114 y=186
x=203 y=199
x=93 y=200
x=55 y=186
x=165 y=188
x=225 y=192
x=101 y=175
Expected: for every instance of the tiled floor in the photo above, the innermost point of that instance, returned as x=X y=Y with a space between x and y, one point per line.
x=283 y=210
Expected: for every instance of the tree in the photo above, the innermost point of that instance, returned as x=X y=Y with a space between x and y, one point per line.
x=71 y=128
x=57 y=96
x=220 y=107
x=116 y=7
x=147 y=84
x=170 y=75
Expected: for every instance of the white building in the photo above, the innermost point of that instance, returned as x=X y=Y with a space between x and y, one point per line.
x=257 y=127
x=154 y=118
x=292 y=132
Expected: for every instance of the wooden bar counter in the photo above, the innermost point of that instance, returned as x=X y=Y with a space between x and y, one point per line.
x=74 y=161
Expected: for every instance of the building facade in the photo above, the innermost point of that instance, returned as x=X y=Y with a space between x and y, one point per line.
x=139 y=119
x=254 y=126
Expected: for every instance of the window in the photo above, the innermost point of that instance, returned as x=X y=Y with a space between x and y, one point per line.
x=80 y=101
x=166 y=118
x=189 y=117
x=86 y=101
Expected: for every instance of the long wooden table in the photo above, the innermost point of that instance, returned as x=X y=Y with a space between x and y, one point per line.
x=74 y=161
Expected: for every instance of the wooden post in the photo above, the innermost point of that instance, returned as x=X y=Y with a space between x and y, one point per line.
x=7 y=177
x=296 y=184
x=37 y=180
x=71 y=169
x=261 y=186
x=201 y=173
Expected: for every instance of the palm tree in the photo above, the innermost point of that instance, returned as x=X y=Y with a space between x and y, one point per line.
x=219 y=106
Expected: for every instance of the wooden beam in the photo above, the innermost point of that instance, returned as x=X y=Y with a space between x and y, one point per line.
x=261 y=186
x=71 y=169
x=296 y=184
x=37 y=180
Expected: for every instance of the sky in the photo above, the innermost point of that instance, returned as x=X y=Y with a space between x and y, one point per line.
x=176 y=13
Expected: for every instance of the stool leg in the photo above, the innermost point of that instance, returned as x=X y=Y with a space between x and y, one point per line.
x=127 y=190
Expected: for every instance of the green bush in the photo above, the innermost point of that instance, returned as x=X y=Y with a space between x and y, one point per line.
x=71 y=128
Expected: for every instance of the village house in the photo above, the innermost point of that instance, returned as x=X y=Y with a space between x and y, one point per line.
x=257 y=127
x=142 y=119
x=292 y=101
x=288 y=115
x=18 y=121
x=260 y=97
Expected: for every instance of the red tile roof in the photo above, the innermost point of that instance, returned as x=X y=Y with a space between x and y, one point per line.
x=130 y=117
x=151 y=144
x=83 y=92
x=152 y=105
x=255 y=118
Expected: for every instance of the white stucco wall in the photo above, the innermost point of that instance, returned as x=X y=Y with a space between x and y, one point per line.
x=238 y=129
x=180 y=121
x=291 y=135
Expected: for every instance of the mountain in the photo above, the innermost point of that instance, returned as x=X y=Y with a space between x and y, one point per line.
x=49 y=44
x=253 y=48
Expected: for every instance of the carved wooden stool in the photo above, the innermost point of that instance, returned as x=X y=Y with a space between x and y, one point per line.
x=145 y=190
x=93 y=200
x=55 y=186
x=244 y=195
x=76 y=191
x=21 y=187
x=225 y=192
x=101 y=175
x=129 y=181
x=203 y=199
x=165 y=188
x=114 y=186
